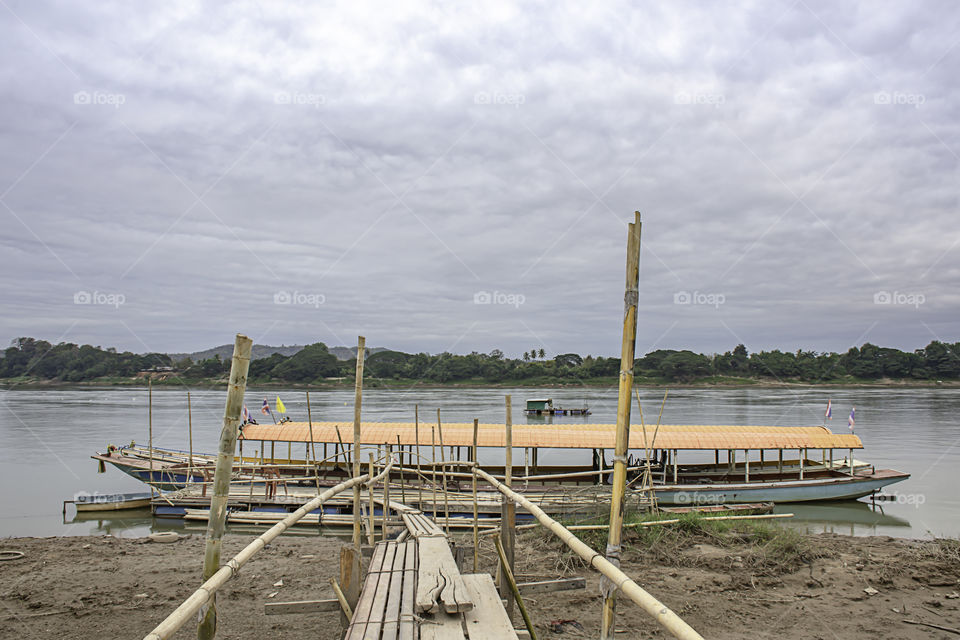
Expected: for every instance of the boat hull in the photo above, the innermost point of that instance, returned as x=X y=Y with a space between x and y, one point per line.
x=818 y=489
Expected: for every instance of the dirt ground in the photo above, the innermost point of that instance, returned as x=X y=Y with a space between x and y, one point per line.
x=104 y=587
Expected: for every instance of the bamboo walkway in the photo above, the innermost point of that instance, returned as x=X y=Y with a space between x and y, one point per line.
x=413 y=589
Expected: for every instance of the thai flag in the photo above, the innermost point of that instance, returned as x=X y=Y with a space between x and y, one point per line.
x=829 y=414
x=265 y=409
x=850 y=420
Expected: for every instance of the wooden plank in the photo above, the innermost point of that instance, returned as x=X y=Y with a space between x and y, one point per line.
x=391 y=616
x=544 y=586
x=407 y=624
x=350 y=579
x=361 y=612
x=439 y=584
x=442 y=626
x=378 y=608
x=488 y=619
x=301 y=606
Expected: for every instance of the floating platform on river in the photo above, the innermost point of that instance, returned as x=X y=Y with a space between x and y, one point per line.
x=544 y=407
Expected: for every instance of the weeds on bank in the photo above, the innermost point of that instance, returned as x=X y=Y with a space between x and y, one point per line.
x=943 y=551
x=766 y=547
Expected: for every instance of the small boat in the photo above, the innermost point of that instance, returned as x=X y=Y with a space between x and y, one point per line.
x=544 y=407
x=109 y=501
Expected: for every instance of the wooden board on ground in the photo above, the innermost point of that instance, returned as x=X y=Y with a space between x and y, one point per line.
x=442 y=626
x=487 y=620
x=439 y=583
x=544 y=586
x=301 y=606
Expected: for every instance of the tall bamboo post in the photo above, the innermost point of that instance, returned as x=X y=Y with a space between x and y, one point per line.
x=433 y=470
x=386 y=496
x=370 y=530
x=416 y=436
x=150 y=428
x=357 y=397
x=514 y=590
x=190 y=436
x=403 y=491
x=443 y=476
x=624 y=402
x=508 y=509
x=313 y=446
x=207 y=628
x=476 y=514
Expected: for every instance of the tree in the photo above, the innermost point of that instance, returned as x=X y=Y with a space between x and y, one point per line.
x=310 y=363
x=543 y=354
x=684 y=366
x=526 y=357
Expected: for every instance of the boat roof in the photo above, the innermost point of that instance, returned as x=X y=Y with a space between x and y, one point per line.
x=560 y=436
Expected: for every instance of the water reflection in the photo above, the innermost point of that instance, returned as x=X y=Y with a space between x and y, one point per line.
x=850 y=517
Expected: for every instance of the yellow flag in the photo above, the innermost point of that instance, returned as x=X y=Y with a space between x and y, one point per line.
x=280 y=407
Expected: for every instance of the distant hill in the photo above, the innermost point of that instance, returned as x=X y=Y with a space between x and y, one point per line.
x=225 y=352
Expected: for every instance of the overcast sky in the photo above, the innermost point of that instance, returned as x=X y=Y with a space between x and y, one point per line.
x=172 y=174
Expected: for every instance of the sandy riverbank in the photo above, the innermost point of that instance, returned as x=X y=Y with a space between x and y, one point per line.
x=104 y=587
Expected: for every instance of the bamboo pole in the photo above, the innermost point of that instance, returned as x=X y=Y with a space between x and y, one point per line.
x=370 y=530
x=416 y=436
x=624 y=403
x=443 y=476
x=313 y=449
x=341 y=598
x=190 y=435
x=386 y=497
x=659 y=611
x=357 y=398
x=403 y=491
x=647 y=523
x=508 y=574
x=508 y=510
x=476 y=514
x=150 y=428
x=188 y=609
x=207 y=628
x=433 y=471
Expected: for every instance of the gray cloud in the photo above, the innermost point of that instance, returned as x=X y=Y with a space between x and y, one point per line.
x=793 y=158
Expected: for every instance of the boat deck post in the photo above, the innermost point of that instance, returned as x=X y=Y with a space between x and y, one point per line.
x=746 y=462
x=803 y=454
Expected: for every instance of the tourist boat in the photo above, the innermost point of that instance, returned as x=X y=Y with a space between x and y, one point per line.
x=757 y=467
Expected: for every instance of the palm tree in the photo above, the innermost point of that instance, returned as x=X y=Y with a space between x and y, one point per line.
x=543 y=354
x=526 y=356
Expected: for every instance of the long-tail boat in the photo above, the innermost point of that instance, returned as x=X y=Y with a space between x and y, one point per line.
x=750 y=464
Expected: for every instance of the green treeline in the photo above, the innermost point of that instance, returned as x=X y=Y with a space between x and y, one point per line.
x=30 y=359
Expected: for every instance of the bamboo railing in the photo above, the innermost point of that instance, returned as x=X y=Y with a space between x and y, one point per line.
x=659 y=611
x=187 y=611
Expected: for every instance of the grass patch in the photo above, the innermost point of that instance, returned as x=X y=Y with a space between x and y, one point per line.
x=764 y=546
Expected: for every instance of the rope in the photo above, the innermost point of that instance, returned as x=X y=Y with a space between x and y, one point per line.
x=11 y=555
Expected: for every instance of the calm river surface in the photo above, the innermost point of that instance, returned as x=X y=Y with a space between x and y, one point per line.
x=47 y=436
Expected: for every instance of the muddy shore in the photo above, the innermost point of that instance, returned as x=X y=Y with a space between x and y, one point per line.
x=105 y=587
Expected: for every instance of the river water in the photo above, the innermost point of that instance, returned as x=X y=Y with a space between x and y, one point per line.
x=47 y=436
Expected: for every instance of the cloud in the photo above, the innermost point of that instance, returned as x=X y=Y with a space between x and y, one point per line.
x=794 y=158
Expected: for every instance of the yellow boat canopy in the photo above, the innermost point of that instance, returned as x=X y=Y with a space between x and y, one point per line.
x=559 y=436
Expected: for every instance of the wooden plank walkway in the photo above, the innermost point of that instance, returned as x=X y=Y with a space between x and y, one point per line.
x=413 y=591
